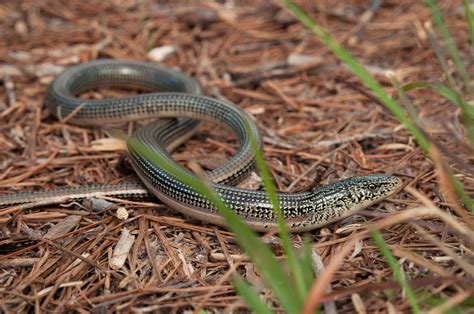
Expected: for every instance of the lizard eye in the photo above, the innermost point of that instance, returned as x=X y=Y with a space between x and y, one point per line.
x=371 y=187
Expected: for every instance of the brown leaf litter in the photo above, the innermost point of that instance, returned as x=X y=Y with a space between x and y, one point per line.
x=312 y=113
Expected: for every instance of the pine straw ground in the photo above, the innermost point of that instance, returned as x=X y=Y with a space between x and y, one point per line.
x=318 y=123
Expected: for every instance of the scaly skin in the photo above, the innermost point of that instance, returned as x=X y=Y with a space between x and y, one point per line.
x=180 y=97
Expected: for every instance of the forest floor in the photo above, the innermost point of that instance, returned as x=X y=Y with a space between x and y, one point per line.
x=319 y=124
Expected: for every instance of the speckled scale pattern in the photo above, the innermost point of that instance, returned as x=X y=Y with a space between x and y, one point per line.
x=132 y=190
x=180 y=96
x=304 y=210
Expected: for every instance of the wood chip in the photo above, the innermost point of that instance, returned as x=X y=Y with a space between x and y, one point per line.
x=121 y=250
x=63 y=227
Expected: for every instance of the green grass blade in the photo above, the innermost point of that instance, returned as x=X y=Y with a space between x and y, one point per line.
x=450 y=45
x=397 y=273
x=467 y=110
x=259 y=253
x=250 y=296
x=455 y=98
x=406 y=103
x=369 y=81
x=440 y=57
x=469 y=20
x=295 y=268
x=415 y=85
x=468 y=303
x=461 y=192
x=446 y=92
x=452 y=96
x=433 y=301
